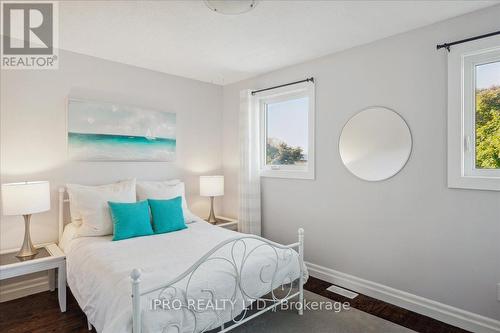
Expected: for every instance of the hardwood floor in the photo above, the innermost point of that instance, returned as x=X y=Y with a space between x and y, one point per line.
x=40 y=313
x=392 y=313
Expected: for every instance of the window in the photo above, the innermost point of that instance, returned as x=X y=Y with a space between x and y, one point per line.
x=486 y=111
x=474 y=115
x=287 y=131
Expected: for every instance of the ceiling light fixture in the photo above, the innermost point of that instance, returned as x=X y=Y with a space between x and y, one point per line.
x=231 y=7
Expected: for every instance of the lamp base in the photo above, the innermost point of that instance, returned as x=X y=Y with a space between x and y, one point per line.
x=27 y=250
x=211 y=217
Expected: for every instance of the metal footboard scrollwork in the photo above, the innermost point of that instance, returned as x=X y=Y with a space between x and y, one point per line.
x=245 y=271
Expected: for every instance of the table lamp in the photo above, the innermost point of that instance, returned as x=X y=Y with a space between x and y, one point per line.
x=25 y=199
x=211 y=186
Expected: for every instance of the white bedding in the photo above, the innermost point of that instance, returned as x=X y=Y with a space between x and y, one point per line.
x=99 y=269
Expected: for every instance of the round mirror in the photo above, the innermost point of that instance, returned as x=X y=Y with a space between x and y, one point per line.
x=375 y=144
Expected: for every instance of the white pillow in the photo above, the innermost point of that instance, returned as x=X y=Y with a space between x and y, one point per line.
x=70 y=232
x=89 y=205
x=161 y=190
x=165 y=190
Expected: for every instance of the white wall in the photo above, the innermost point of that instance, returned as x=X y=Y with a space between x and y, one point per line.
x=409 y=232
x=33 y=130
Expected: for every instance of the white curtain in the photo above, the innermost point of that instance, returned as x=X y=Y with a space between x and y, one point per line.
x=249 y=179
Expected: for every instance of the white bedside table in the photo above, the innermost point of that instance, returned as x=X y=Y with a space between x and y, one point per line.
x=49 y=258
x=228 y=223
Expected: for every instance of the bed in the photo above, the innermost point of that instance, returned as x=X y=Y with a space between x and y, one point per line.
x=203 y=278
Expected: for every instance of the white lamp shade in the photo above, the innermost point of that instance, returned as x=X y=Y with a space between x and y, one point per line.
x=25 y=198
x=211 y=186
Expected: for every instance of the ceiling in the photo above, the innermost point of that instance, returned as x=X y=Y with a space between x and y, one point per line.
x=187 y=39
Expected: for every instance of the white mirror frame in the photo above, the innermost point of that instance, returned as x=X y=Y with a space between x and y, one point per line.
x=377 y=165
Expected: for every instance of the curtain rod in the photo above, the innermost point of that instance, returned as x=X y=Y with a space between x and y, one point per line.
x=311 y=79
x=448 y=45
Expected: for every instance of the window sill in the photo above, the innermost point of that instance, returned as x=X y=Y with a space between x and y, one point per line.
x=474 y=183
x=287 y=174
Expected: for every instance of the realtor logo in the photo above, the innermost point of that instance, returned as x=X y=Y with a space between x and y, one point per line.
x=29 y=35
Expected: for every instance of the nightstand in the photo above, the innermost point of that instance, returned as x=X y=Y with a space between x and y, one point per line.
x=49 y=258
x=228 y=223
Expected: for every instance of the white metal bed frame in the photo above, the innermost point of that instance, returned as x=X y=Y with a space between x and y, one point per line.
x=236 y=263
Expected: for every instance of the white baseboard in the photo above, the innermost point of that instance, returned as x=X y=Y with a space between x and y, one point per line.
x=13 y=290
x=442 y=312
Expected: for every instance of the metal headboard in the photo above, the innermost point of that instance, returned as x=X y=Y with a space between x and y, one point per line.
x=62 y=201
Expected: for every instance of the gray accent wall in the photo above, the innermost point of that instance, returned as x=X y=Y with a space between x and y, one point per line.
x=410 y=232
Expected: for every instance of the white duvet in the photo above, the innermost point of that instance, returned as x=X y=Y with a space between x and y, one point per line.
x=99 y=269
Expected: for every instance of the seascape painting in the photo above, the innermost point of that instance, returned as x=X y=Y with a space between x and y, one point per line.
x=111 y=132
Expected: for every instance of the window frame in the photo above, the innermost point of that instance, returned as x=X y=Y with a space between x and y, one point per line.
x=462 y=62
x=305 y=89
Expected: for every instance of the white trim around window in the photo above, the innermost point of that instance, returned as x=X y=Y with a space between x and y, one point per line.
x=262 y=99
x=462 y=62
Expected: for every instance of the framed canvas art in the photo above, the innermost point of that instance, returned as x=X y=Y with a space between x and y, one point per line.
x=99 y=131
